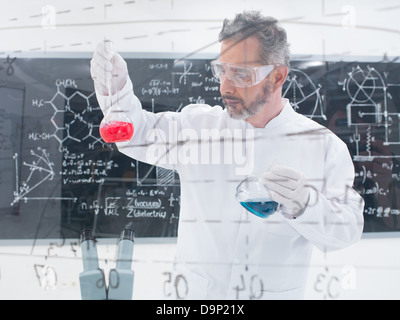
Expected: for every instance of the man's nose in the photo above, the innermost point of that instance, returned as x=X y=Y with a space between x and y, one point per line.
x=226 y=86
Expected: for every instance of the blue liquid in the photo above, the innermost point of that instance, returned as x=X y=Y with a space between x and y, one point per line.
x=262 y=209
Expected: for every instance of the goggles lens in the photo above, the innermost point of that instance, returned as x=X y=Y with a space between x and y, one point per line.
x=241 y=76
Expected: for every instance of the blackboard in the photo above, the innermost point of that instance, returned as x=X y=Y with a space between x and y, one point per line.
x=58 y=177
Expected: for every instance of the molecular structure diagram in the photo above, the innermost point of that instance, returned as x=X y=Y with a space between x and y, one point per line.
x=76 y=115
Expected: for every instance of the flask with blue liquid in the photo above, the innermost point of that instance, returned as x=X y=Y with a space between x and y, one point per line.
x=254 y=196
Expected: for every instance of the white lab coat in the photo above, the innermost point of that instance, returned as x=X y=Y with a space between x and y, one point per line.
x=223 y=251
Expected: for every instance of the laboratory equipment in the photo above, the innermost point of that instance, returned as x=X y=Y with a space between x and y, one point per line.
x=254 y=196
x=116 y=125
x=122 y=277
x=92 y=279
x=113 y=130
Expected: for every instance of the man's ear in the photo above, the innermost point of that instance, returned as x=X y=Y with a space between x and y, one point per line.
x=280 y=75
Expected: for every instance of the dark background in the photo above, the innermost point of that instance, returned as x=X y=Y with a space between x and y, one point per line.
x=57 y=177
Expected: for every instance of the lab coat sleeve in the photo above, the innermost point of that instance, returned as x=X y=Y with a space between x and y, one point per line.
x=154 y=134
x=333 y=218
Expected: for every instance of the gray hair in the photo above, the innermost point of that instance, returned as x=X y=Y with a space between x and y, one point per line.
x=272 y=37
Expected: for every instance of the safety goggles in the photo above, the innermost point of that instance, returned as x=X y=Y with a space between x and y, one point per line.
x=241 y=76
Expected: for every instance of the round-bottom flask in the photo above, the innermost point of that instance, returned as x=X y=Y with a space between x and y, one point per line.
x=254 y=196
x=116 y=126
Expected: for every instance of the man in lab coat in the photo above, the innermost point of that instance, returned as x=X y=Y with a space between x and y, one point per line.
x=224 y=251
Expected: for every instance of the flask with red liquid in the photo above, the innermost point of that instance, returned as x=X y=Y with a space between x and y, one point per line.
x=116 y=126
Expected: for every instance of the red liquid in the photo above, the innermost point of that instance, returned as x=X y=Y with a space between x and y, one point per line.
x=116 y=131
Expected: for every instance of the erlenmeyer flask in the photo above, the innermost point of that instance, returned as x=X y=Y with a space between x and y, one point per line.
x=116 y=126
x=254 y=196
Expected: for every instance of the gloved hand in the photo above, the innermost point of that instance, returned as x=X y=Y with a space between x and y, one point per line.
x=108 y=69
x=289 y=188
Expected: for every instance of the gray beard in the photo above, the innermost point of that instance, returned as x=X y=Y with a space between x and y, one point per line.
x=253 y=108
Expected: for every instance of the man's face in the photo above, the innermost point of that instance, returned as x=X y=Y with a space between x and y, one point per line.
x=242 y=103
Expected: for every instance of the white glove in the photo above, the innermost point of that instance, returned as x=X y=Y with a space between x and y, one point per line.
x=289 y=188
x=108 y=69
